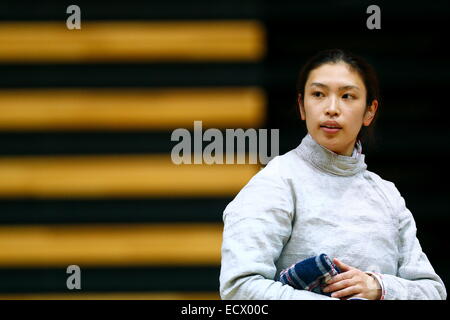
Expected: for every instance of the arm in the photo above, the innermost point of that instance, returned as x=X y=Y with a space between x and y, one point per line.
x=416 y=278
x=257 y=225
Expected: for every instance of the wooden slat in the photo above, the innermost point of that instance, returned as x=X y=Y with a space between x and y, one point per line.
x=106 y=245
x=128 y=109
x=131 y=41
x=115 y=296
x=117 y=177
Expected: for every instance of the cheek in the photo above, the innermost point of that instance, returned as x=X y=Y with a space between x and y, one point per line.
x=312 y=117
x=311 y=110
x=355 y=121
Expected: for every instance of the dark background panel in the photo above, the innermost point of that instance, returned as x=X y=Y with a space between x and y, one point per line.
x=28 y=10
x=60 y=211
x=130 y=279
x=130 y=75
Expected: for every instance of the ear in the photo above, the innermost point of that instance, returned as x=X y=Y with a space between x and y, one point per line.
x=370 y=113
x=301 y=107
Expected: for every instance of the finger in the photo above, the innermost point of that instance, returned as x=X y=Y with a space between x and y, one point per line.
x=341 y=265
x=339 y=285
x=340 y=277
x=346 y=292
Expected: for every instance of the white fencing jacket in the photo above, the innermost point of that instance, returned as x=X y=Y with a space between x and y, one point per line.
x=311 y=201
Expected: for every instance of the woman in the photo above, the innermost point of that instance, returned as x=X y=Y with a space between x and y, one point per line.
x=319 y=198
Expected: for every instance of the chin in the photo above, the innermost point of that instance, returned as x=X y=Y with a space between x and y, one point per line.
x=332 y=148
x=331 y=143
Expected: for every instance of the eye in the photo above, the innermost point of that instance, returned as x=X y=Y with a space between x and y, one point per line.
x=317 y=94
x=348 y=96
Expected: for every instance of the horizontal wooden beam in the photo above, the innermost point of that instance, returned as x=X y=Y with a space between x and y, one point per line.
x=117 y=177
x=130 y=109
x=106 y=41
x=110 y=245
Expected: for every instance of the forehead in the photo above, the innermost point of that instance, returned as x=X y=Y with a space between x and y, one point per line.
x=335 y=75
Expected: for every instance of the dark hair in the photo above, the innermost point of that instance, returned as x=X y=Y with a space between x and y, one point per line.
x=356 y=63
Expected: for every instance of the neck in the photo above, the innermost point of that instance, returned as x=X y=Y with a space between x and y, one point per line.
x=330 y=161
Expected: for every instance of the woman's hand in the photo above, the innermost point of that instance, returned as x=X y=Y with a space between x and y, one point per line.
x=352 y=282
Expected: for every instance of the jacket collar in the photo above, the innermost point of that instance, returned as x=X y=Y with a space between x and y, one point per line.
x=329 y=161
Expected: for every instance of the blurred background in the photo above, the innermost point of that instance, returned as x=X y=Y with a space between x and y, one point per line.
x=86 y=118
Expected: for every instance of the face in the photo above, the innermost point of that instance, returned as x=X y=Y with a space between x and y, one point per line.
x=334 y=92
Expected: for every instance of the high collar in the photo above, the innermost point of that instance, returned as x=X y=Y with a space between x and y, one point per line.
x=329 y=161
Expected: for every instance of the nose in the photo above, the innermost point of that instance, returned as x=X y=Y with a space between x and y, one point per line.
x=332 y=108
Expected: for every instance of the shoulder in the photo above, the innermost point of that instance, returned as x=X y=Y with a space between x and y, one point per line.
x=282 y=166
x=277 y=167
x=267 y=188
x=389 y=187
x=392 y=194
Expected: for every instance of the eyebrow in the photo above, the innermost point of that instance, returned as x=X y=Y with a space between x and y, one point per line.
x=318 y=84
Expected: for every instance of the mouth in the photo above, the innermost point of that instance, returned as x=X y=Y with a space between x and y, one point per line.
x=330 y=129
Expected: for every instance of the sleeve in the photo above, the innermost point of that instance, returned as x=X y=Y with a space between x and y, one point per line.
x=416 y=278
x=257 y=225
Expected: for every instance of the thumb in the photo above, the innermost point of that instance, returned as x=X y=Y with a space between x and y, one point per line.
x=341 y=265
